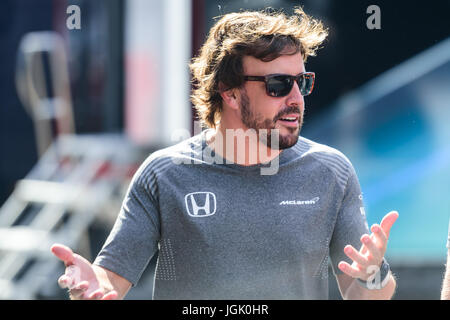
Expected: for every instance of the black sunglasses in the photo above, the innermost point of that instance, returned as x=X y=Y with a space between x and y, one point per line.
x=280 y=85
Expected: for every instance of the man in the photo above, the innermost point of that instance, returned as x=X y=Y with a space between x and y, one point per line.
x=445 y=294
x=225 y=228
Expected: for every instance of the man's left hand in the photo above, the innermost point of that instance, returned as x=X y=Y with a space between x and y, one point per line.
x=372 y=251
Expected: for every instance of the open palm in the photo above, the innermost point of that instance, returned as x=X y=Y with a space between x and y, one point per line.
x=80 y=276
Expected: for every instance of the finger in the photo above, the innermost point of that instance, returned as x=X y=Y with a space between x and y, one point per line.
x=355 y=255
x=74 y=273
x=374 y=251
x=65 y=281
x=110 y=295
x=96 y=295
x=379 y=236
x=349 y=270
x=63 y=253
x=78 y=291
x=82 y=286
x=388 y=221
x=77 y=294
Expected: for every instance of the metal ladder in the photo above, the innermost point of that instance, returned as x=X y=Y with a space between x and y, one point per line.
x=79 y=181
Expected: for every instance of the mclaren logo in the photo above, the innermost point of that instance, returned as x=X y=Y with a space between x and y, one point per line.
x=299 y=202
x=200 y=204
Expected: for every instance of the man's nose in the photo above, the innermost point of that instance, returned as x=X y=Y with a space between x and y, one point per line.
x=295 y=98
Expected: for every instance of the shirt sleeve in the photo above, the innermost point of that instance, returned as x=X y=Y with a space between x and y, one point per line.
x=351 y=222
x=134 y=237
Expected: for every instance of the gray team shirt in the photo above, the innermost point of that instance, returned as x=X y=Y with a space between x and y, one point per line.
x=225 y=231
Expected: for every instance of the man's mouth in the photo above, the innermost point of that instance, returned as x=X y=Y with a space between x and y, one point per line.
x=290 y=120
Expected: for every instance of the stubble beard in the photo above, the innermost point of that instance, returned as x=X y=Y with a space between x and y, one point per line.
x=265 y=127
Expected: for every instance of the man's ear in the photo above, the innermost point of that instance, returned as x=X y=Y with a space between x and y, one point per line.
x=229 y=96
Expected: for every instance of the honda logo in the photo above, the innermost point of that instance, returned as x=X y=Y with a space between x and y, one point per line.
x=200 y=204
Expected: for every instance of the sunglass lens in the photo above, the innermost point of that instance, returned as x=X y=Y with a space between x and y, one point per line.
x=305 y=83
x=279 y=86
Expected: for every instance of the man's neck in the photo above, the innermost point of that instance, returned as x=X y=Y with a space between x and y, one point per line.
x=240 y=146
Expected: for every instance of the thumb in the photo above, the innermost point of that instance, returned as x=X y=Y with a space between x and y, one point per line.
x=388 y=221
x=63 y=253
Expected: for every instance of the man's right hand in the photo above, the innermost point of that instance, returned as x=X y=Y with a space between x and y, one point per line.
x=80 y=276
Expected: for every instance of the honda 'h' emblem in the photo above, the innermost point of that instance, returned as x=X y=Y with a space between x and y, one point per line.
x=200 y=204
